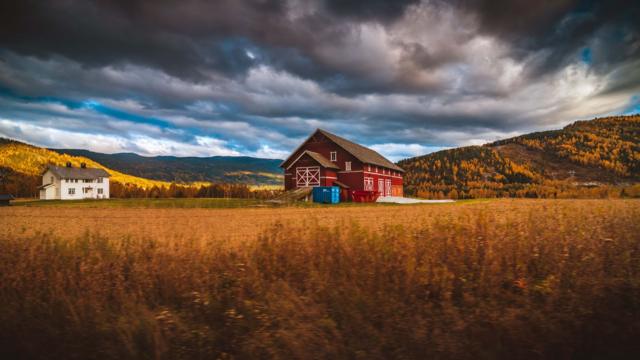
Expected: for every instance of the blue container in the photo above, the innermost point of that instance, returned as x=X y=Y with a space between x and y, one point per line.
x=326 y=194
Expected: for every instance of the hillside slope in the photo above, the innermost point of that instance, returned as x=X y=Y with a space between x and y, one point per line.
x=228 y=169
x=22 y=160
x=584 y=154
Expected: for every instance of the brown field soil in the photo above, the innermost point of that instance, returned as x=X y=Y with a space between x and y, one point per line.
x=526 y=279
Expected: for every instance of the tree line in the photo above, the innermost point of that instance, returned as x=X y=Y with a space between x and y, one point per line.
x=26 y=186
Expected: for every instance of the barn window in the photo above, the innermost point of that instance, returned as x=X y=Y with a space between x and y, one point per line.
x=334 y=156
x=99 y=180
x=100 y=191
x=72 y=191
x=368 y=184
x=347 y=165
x=368 y=167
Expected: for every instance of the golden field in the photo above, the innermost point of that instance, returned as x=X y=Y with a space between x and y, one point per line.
x=497 y=279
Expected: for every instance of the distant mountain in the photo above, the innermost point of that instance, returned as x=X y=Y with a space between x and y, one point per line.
x=227 y=169
x=588 y=154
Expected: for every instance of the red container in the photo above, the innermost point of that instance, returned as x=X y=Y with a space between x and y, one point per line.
x=364 y=196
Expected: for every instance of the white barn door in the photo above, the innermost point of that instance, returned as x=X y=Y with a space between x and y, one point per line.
x=308 y=176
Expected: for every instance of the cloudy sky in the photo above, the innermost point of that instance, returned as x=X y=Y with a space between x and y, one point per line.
x=255 y=77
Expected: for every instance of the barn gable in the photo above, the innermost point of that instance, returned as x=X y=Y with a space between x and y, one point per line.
x=321 y=160
x=359 y=152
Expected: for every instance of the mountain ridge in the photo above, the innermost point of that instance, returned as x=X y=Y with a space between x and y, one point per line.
x=231 y=169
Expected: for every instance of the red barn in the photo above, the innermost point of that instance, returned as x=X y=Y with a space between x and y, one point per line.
x=325 y=159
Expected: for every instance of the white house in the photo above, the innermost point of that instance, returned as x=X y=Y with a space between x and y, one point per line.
x=69 y=183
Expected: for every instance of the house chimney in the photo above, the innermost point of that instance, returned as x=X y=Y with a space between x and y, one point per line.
x=68 y=164
x=83 y=165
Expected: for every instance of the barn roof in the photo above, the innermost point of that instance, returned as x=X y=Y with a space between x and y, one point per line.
x=77 y=173
x=360 y=152
x=319 y=158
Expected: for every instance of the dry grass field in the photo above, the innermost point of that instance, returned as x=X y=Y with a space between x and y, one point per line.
x=498 y=279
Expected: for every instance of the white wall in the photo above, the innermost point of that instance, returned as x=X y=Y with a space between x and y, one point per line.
x=48 y=193
x=51 y=192
x=60 y=188
x=80 y=185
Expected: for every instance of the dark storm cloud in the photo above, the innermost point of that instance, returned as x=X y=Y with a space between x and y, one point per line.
x=562 y=28
x=189 y=38
x=382 y=10
x=180 y=37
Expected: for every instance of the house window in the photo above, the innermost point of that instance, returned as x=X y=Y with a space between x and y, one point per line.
x=368 y=167
x=347 y=165
x=99 y=180
x=51 y=180
x=100 y=191
x=334 y=156
x=86 y=190
x=72 y=191
x=368 y=184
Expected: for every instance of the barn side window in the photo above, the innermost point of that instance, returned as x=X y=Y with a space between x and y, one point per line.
x=334 y=156
x=347 y=165
x=368 y=184
x=368 y=167
x=72 y=191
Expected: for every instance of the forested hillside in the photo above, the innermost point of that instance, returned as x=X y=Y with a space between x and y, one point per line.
x=30 y=160
x=228 y=169
x=600 y=157
x=22 y=164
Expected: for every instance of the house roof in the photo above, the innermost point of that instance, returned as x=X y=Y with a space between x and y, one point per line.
x=319 y=158
x=360 y=152
x=77 y=173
